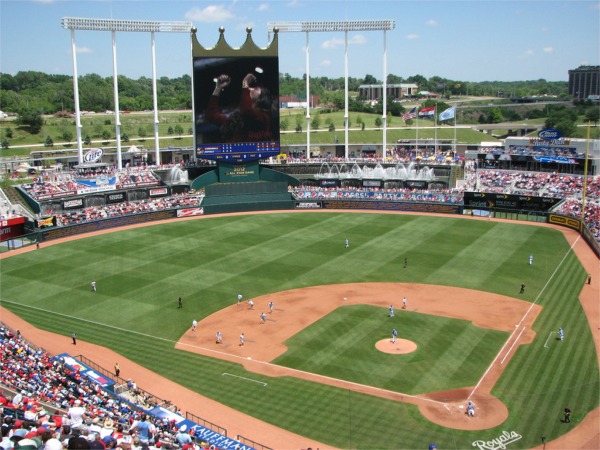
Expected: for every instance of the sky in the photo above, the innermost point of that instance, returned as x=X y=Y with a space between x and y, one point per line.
x=472 y=41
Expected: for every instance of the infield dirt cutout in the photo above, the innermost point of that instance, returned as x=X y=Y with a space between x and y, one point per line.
x=296 y=309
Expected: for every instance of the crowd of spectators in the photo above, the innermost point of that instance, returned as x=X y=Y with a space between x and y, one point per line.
x=92 y=213
x=64 y=184
x=572 y=207
x=451 y=196
x=541 y=184
x=62 y=409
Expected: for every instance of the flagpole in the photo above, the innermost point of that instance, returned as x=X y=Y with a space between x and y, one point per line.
x=455 y=114
x=435 y=129
x=417 y=137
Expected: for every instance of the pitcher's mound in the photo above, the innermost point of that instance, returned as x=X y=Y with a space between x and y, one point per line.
x=400 y=347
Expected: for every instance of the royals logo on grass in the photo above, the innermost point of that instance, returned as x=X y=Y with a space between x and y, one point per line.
x=498 y=443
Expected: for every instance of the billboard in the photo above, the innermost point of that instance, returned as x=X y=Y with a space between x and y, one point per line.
x=236 y=102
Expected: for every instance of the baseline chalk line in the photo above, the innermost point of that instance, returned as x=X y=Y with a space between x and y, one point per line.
x=244 y=378
x=546 y=343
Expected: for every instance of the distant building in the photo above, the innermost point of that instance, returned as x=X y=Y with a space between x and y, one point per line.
x=373 y=92
x=584 y=82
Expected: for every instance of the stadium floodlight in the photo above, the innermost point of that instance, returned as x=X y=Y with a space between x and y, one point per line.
x=146 y=26
x=335 y=25
x=142 y=26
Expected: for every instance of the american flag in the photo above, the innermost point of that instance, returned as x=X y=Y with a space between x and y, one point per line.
x=410 y=115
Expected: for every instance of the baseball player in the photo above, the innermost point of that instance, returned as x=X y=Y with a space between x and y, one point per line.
x=242 y=340
x=530 y=260
x=347 y=243
x=194 y=325
x=394 y=334
x=263 y=318
x=271 y=305
x=93 y=286
x=239 y=297
x=250 y=304
x=404 y=303
x=561 y=334
x=219 y=338
x=391 y=308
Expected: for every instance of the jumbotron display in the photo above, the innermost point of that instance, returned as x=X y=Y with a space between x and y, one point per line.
x=236 y=103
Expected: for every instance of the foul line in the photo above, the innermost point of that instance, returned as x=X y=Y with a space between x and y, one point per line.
x=244 y=378
x=511 y=347
x=524 y=317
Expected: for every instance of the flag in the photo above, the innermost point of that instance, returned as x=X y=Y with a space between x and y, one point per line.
x=427 y=112
x=448 y=114
x=410 y=115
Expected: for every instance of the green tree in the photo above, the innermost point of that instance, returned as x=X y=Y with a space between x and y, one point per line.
x=142 y=132
x=331 y=126
x=105 y=135
x=299 y=120
x=495 y=115
x=67 y=136
x=87 y=140
x=178 y=130
x=378 y=122
x=8 y=133
x=32 y=119
x=125 y=137
x=284 y=124
x=592 y=115
x=170 y=131
x=5 y=143
x=49 y=142
x=315 y=123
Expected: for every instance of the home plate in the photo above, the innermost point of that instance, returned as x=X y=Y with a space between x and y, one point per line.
x=249 y=357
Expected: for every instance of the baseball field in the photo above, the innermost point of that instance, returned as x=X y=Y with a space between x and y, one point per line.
x=141 y=272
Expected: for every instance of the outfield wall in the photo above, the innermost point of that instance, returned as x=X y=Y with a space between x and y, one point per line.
x=251 y=203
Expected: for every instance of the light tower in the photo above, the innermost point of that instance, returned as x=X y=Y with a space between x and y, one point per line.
x=337 y=26
x=139 y=26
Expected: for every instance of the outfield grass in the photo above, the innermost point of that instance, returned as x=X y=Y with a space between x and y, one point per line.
x=141 y=272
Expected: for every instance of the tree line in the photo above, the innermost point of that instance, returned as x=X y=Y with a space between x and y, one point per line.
x=31 y=94
x=47 y=93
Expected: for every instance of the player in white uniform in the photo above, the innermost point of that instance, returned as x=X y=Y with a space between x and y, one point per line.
x=194 y=325
x=391 y=308
x=239 y=297
x=394 y=334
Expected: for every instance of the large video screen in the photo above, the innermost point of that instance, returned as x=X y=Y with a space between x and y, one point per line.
x=236 y=103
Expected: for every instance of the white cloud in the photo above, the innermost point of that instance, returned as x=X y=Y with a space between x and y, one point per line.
x=412 y=37
x=528 y=53
x=357 y=39
x=212 y=13
x=548 y=49
x=431 y=22
x=83 y=50
x=326 y=63
x=332 y=44
x=263 y=7
x=294 y=4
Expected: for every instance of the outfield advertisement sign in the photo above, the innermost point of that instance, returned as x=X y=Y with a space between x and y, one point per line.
x=484 y=200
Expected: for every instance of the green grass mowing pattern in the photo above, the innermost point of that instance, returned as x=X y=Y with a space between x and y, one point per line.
x=140 y=274
x=451 y=353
